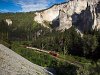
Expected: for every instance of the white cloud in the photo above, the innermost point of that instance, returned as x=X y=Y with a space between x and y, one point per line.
x=4 y=10
x=33 y=5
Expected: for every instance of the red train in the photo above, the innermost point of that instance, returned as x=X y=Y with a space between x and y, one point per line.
x=53 y=53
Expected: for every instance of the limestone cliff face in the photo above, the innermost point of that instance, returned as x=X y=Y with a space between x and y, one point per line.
x=49 y=14
x=84 y=14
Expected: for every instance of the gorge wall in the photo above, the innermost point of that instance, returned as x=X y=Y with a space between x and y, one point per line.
x=84 y=14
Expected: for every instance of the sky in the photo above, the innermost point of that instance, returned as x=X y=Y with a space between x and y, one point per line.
x=26 y=5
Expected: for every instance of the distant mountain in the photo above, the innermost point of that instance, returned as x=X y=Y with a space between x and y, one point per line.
x=84 y=14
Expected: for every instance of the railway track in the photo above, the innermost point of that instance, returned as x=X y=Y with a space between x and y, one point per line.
x=57 y=56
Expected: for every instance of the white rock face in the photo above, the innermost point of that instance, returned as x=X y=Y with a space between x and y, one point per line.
x=8 y=21
x=84 y=13
x=65 y=21
x=48 y=15
x=13 y=64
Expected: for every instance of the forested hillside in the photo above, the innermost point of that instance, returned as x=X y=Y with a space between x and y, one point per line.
x=21 y=28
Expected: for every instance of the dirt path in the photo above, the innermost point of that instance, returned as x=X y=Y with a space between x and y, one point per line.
x=37 y=49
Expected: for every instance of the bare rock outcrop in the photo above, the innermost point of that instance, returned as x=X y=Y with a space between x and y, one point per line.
x=84 y=14
x=13 y=64
x=8 y=21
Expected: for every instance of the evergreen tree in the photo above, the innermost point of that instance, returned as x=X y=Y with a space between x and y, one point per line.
x=90 y=44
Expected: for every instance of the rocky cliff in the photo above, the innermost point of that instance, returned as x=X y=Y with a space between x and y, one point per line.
x=84 y=14
x=13 y=64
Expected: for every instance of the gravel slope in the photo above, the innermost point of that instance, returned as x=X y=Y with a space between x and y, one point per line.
x=13 y=64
